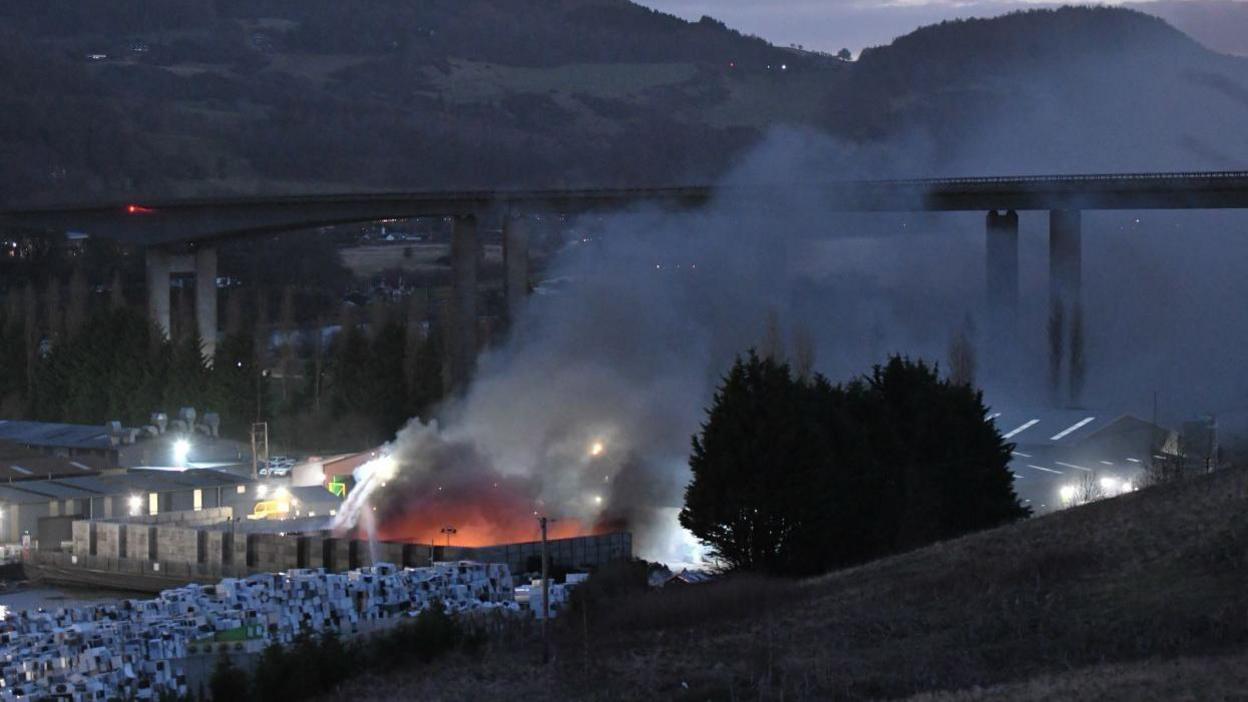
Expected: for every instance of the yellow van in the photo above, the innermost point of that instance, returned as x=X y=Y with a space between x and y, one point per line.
x=270 y=509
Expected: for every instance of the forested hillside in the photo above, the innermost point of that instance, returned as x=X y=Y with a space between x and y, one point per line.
x=146 y=99
x=196 y=96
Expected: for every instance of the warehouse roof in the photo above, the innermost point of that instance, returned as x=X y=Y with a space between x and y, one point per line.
x=19 y=463
x=79 y=436
x=87 y=486
x=1049 y=426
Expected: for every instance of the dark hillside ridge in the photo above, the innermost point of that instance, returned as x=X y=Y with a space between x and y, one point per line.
x=132 y=99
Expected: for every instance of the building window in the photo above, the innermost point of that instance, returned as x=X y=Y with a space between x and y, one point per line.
x=153 y=503
x=199 y=499
x=241 y=489
x=54 y=508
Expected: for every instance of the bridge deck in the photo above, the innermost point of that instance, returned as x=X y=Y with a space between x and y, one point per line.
x=220 y=218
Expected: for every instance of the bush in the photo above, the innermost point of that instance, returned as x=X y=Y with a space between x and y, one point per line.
x=228 y=682
x=433 y=633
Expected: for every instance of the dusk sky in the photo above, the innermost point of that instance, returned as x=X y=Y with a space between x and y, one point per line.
x=829 y=25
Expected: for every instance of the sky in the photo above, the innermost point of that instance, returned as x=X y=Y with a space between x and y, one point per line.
x=829 y=25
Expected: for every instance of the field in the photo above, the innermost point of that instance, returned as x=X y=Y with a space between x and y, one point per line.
x=1139 y=597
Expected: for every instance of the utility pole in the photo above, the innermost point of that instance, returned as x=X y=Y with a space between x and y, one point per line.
x=542 y=520
x=259 y=447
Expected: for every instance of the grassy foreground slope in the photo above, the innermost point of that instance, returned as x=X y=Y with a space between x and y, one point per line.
x=1141 y=596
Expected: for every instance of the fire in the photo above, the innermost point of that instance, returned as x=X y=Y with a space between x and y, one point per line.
x=500 y=512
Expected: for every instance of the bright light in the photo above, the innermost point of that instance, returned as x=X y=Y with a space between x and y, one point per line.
x=1068 y=493
x=596 y=449
x=262 y=490
x=181 y=449
x=597 y=499
x=281 y=493
x=386 y=468
x=136 y=503
x=1128 y=487
x=1109 y=484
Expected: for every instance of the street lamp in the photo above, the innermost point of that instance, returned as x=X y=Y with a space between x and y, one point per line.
x=448 y=530
x=181 y=449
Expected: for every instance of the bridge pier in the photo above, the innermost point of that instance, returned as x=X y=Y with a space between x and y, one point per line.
x=206 y=299
x=161 y=263
x=516 y=263
x=1066 y=256
x=1066 y=301
x=158 y=269
x=462 y=330
x=1001 y=274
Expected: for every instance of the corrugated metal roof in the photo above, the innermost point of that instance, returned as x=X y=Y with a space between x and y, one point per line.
x=53 y=490
x=35 y=466
x=21 y=497
x=86 y=487
x=80 y=436
x=1049 y=426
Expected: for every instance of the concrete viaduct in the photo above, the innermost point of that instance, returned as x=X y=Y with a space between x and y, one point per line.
x=180 y=236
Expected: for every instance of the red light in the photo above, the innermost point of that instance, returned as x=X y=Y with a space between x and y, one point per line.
x=138 y=209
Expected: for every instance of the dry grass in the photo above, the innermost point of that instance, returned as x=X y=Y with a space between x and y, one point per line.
x=1056 y=607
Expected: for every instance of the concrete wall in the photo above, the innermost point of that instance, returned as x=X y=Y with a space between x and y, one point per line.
x=82 y=537
x=584 y=551
x=168 y=547
x=178 y=544
x=138 y=542
x=187 y=517
x=110 y=540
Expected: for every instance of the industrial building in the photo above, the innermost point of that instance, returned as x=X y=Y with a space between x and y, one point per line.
x=70 y=440
x=39 y=512
x=1056 y=449
x=118 y=446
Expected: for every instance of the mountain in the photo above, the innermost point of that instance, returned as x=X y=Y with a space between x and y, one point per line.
x=134 y=99
x=1067 y=90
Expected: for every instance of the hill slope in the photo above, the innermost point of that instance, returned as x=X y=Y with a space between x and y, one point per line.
x=1130 y=587
x=199 y=96
x=132 y=99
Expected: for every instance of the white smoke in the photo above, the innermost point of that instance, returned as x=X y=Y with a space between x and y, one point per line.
x=660 y=303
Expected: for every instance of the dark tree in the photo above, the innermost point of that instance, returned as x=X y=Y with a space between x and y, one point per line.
x=756 y=454
x=797 y=477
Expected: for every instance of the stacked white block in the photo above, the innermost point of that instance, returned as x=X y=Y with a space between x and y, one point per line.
x=132 y=648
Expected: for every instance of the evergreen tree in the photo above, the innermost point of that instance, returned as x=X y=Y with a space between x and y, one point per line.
x=426 y=386
x=233 y=382
x=749 y=465
x=796 y=477
x=388 y=385
x=351 y=391
x=187 y=382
